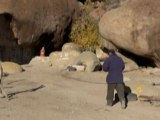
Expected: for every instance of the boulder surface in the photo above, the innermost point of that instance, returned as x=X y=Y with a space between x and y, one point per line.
x=134 y=27
x=34 y=23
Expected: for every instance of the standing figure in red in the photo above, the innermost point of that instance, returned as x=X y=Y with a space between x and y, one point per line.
x=42 y=52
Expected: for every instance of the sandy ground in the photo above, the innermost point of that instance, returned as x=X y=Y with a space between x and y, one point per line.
x=76 y=96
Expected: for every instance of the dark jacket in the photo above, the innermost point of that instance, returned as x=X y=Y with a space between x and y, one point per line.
x=114 y=65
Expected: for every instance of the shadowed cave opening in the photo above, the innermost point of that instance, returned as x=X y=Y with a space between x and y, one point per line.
x=8 y=17
x=82 y=1
x=6 y=33
x=11 y=51
x=45 y=40
x=141 y=61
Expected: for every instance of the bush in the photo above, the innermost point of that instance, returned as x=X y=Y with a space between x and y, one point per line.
x=85 y=32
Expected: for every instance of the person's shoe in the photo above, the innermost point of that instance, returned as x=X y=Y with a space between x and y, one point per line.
x=123 y=104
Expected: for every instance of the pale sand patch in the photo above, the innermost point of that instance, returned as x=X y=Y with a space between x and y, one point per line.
x=75 y=96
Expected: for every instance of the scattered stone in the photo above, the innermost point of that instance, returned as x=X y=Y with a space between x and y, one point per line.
x=156 y=84
x=150 y=99
x=132 y=97
x=79 y=67
x=71 y=68
x=11 y=68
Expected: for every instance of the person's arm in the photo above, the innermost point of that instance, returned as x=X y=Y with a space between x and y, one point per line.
x=106 y=65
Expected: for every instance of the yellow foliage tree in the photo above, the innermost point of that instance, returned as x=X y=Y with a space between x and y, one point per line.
x=85 y=31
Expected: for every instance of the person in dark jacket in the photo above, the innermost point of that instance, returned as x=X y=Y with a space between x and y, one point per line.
x=114 y=65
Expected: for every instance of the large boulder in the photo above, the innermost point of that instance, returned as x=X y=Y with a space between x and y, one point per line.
x=63 y=59
x=89 y=60
x=67 y=47
x=134 y=27
x=58 y=60
x=35 y=23
x=33 y=18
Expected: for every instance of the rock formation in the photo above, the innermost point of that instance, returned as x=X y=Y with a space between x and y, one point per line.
x=134 y=27
x=27 y=24
x=89 y=60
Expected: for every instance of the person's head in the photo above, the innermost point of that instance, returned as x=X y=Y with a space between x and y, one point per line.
x=111 y=52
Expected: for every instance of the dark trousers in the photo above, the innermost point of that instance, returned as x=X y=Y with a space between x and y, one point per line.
x=110 y=92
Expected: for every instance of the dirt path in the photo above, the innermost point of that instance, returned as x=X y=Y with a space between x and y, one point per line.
x=70 y=96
